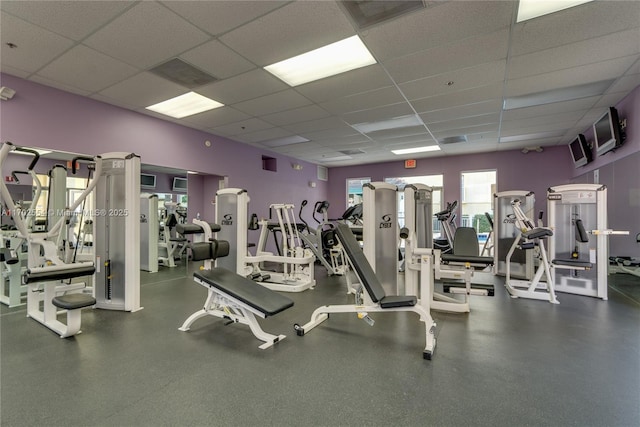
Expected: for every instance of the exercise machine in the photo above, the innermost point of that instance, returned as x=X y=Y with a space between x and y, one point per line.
x=149 y=225
x=230 y=296
x=530 y=237
x=380 y=233
x=46 y=272
x=117 y=231
x=170 y=245
x=578 y=217
x=447 y=220
x=522 y=261
x=321 y=240
x=295 y=267
x=372 y=297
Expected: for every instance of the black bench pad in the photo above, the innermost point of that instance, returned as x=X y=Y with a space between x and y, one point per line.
x=73 y=301
x=392 y=301
x=51 y=276
x=245 y=290
x=467 y=258
x=185 y=229
x=538 y=232
x=572 y=263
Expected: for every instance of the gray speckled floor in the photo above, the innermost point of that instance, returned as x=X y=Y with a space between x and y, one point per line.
x=508 y=362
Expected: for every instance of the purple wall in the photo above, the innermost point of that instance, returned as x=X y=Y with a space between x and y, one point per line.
x=516 y=171
x=41 y=116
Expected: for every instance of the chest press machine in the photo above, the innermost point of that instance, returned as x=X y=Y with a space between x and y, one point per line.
x=46 y=270
x=229 y=295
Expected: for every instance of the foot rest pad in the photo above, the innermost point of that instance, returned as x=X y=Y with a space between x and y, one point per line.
x=73 y=301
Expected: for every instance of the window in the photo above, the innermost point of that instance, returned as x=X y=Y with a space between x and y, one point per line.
x=433 y=181
x=477 y=189
x=354 y=190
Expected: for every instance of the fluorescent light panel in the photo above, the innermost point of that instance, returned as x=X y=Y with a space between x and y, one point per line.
x=185 y=105
x=395 y=123
x=529 y=9
x=530 y=136
x=288 y=140
x=557 y=95
x=416 y=150
x=332 y=59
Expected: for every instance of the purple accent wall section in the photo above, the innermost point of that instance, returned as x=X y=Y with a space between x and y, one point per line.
x=41 y=116
x=515 y=171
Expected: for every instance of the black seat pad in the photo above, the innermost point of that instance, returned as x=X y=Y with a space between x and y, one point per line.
x=247 y=291
x=572 y=263
x=467 y=258
x=73 y=301
x=392 y=301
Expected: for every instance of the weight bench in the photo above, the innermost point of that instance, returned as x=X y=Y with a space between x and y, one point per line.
x=233 y=297
x=375 y=298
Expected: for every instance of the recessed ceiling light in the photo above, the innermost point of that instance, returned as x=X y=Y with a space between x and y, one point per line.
x=395 y=123
x=416 y=150
x=185 y=105
x=557 y=95
x=329 y=60
x=529 y=9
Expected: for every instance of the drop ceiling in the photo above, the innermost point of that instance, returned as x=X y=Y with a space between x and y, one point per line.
x=445 y=70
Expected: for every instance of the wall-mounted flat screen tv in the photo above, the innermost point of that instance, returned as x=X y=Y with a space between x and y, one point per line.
x=147 y=180
x=606 y=132
x=580 y=152
x=179 y=184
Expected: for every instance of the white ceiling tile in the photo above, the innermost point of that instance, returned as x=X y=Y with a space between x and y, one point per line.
x=625 y=84
x=86 y=69
x=436 y=26
x=13 y=71
x=343 y=133
x=419 y=138
x=465 y=122
x=217 y=60
x=364 y=101
x=467 y=78
x=315 y=125
x=273 y=103
x=477 y=109
x=583 y=22
x=449 y=57
x=217 y=117
x=342 y=141
x=249 y=85
x=397 y=133
x=491 y=127
x=455 y=99
x=263 y=135
x=302 y=114
x=547 y=109
x=35 y=46
x=378 y=114
x=295 y=28
x=146 y=35
x=564 y=117
x=242 y=127
x=59 y=85
x=218 y=17
x=612 y=46
x=570 y=77
x=72 y=19
x=356 y=81
x=143 y=89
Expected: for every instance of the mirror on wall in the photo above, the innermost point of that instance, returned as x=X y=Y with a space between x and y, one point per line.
x=178 y=194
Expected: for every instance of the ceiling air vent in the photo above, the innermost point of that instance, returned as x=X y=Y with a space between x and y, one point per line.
x=178 y=71
x=351 y=152
x=453 y=139
x=366 y=13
